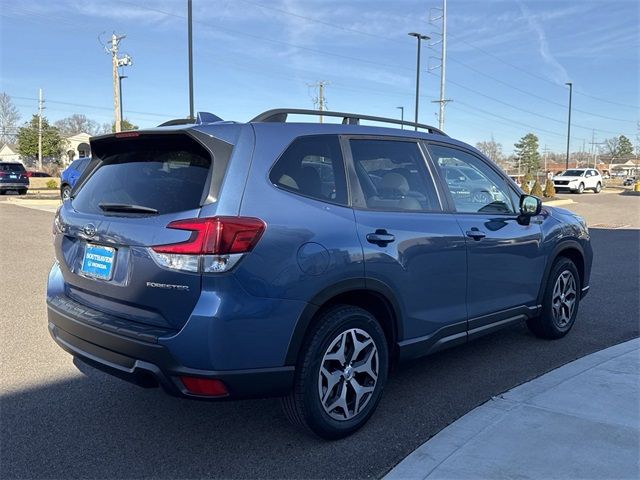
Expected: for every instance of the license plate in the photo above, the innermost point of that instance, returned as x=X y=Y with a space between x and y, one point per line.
x=13 y=176
x=98 y=261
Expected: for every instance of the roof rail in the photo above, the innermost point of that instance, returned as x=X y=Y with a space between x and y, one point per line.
x=281 y=114
x=201 y=118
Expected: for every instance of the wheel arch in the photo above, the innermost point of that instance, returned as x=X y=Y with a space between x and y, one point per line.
x=371 y=295
x=570 y=249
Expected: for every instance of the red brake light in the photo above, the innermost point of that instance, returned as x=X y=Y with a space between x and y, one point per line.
x=216 y=236
x=127 y=134
x=209 y=387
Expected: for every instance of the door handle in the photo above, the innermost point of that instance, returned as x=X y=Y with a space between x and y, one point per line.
x=380 y=237
x=476 y=234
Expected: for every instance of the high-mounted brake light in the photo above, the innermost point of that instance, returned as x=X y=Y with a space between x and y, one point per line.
x=127 y=134
x=215 y=244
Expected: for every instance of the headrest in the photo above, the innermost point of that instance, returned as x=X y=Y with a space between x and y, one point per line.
x=395 y=182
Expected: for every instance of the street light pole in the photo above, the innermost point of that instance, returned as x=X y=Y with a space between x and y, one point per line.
x=401 y=117
x=120 y=77
x=569 y=124
x=420 y=37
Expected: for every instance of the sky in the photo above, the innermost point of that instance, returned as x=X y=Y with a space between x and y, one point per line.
x=507 y=61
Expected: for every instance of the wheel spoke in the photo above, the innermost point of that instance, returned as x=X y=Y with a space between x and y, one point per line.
x=332 y=380
x=366 y=366
x=339 y=354
x=341 y=402
x=360 y=392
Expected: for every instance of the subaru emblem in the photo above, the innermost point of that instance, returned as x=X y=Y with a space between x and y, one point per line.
x=89 y=229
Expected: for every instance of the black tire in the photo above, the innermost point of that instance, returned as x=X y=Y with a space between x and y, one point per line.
x=580 y=188
x=547 y=324
x=598 y=188
x=65 y=189
x=2 y=192
x=303 y=406
x=22 y=191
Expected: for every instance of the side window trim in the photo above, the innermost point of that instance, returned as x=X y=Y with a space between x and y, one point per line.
x=357 y=195
x=488 y=163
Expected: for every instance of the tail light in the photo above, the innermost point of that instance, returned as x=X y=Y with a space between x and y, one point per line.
x=3 y=174
x=208 y=387
x=216 y=244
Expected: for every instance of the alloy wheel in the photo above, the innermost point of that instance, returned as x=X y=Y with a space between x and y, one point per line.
x=563 y=300
x=348 y=374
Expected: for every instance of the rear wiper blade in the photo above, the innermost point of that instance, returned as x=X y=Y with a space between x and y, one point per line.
x=124 y=207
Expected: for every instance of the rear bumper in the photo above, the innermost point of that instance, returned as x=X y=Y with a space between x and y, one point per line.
x=151 y=365
x=13 y=185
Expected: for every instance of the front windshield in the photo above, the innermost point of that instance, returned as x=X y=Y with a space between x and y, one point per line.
x=572 y=173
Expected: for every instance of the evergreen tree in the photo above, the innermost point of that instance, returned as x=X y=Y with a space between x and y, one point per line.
x=527 y=153
x=52 y=143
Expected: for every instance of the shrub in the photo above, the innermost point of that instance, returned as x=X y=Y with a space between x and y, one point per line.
x=536 y=190
x=52 y=184
x=525 y=187
x=549 y=189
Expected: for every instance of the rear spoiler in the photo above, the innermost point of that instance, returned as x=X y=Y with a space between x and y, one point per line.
x=201 y=118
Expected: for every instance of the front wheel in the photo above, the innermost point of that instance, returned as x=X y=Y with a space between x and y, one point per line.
x=598 y=188
x=581 y=188
x=340 y=375
x=560 y=302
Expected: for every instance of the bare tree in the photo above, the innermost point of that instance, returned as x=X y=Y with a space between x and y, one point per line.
x=9 y=118
x=491 y=149
x=77 y=123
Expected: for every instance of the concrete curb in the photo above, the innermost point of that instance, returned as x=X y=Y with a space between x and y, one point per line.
x=529 y=413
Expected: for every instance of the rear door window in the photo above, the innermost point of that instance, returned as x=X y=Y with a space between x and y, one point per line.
x=393 y=175
x=167 y=173
x=312 y=166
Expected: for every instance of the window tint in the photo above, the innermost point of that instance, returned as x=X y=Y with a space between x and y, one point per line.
x=82 y=164
x=312 y=166
x=474 y=186
x=11 y=167
x=164 y=172
x=393 y=175
x=74 y=164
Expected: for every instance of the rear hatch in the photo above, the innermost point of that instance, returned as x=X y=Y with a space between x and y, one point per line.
x=139 y=183
x=13 y=173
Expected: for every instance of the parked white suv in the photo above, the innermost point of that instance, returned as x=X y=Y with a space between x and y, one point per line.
x=578 y=180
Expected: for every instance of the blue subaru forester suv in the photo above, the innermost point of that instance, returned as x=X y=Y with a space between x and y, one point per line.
x=271 y=258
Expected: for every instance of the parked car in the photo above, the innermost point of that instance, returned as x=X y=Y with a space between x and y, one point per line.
x=33 y=173
x=629 y=181
x=229 y=260
x=70 y=175
x=578 y=180
x=13 y=177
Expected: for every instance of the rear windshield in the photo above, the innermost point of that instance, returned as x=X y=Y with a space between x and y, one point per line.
x=11 y=167
x=167 y=173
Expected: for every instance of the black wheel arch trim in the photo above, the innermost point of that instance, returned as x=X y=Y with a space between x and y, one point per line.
x=563 y=246
x=345 y=286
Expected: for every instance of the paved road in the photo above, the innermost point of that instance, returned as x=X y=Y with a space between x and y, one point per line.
x=57 y=423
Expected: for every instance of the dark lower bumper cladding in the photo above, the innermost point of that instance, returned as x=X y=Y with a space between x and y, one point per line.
x=151 y=365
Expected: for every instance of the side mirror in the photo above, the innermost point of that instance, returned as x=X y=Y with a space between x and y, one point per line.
x=530 y=205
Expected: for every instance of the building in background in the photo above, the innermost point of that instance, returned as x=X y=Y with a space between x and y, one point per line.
x=9 y=153
x=77 y=146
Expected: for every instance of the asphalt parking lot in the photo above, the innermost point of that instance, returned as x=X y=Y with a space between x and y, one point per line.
x=56 y=422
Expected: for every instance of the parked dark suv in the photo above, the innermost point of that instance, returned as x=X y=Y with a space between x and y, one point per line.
x=13 y=176
x=232 y=260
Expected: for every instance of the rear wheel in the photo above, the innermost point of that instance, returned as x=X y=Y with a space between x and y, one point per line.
x=598 y=188
x=340 y=375
x=560 y=302
x=65 y=192
x=22 y=191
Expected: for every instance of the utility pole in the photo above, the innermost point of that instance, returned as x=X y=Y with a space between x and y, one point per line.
x=569 y=123
x=116 y=62
x=545 y=152
x=320 y=101
x=120 y=77
x=442 y=101
x=401 y=117
x=190 y=40
x=40 y=108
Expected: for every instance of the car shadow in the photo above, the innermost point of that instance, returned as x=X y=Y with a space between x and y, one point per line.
x=96 y=426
